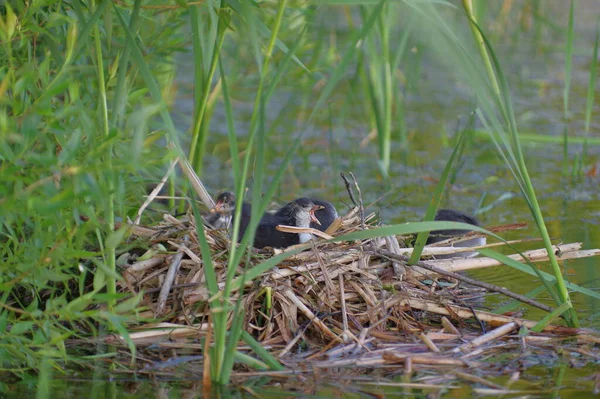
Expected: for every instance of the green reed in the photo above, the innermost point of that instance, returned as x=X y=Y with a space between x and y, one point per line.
x=70 y=148
x=437 y=196
x=513 y=153
x=382 y=55
x=567 y=88
x=591 y=93
x=207 y=40
x=225 y=347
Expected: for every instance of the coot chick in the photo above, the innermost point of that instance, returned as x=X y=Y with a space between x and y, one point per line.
x=298 y=213
x=326 y=215
x=221 y=216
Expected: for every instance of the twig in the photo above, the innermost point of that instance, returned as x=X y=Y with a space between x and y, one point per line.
x=349 y=189
x=155 y=192
x=329 y=287
x=393 y=246
x=196 y=183
x=494 y=334
x=361 y=207
x=476 y=379
x=568 y=251
x=146 y=264
x=430 y=344
x=434 y=359
x=449 y=327
x=291 y=344
x=310 y=315
x=298 y=230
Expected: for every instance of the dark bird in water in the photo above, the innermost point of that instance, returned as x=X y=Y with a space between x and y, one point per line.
x=221 y=216
x=298 y=213
x=450 y=215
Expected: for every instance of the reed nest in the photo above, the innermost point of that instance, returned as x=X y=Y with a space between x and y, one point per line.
x=334 y=304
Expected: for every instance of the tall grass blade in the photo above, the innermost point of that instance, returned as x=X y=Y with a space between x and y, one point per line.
x=120 y=96
x=346 y=60
x=540 y=325
x=153 y=88
x=261 y=352
x=528 y=190
x=196 y=151
x=591 y=92
x=546 y=276
x=217 y=303
x=231 y=132
x=436 y=199
x=567 y=88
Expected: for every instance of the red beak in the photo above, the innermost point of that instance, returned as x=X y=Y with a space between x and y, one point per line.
x=218 y=207
x=312 y=213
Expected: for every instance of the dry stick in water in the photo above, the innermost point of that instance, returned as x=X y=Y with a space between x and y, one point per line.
x=563 y=252
x=170 y=276
x=494 y=334
x=474 y=378
x=489 y=287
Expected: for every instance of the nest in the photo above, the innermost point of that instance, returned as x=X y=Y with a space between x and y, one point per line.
x=332 y=298
x=335 y=304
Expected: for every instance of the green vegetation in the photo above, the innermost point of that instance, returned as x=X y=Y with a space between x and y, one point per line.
x=86 y=110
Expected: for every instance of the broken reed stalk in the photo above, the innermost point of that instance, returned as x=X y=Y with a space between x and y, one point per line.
x=492 y=335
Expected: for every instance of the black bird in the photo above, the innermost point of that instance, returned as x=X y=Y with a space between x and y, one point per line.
x=326 y=215
x=450 y=215
x=298 y=213
x=222 y=214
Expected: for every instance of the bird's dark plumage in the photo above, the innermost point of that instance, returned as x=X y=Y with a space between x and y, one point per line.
x=221 y=216
x=450 y=215
x=326 y=215
x=298 y=213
